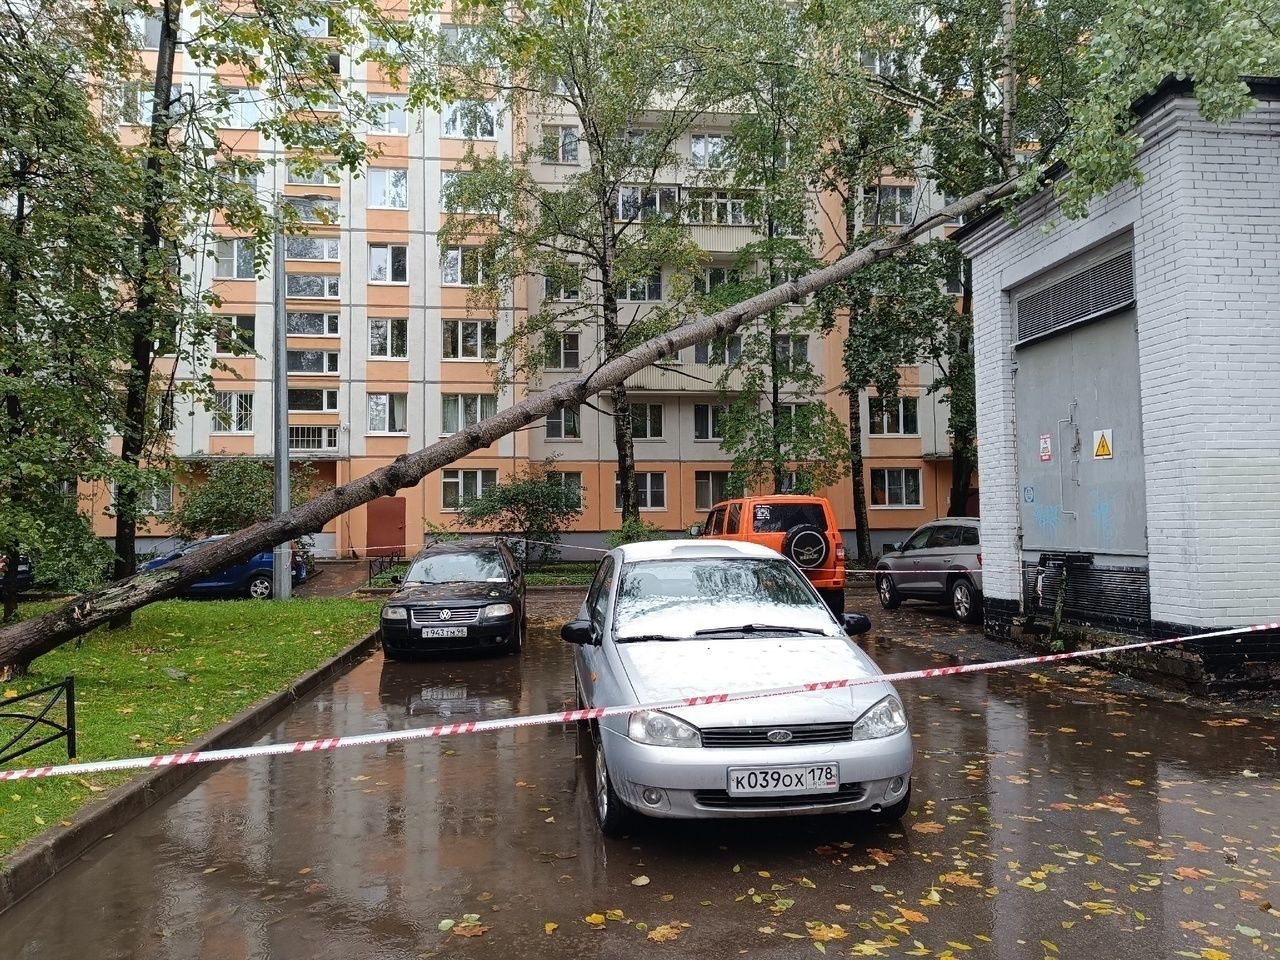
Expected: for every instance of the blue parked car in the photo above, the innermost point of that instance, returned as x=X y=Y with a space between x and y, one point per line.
x=252 y=577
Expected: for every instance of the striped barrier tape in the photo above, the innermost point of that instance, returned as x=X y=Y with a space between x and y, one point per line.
x=573 y=716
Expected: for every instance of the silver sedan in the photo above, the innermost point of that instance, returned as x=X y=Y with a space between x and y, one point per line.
x=674 y=619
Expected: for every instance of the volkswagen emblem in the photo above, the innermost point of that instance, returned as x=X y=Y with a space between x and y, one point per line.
x=778 y=736
x=446 y=614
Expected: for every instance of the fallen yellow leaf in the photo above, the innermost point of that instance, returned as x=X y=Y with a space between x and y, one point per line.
x=912 y=916
x=550 y=927
x=927 y=826
x=640 y=881
x=668 y=931
x=595 y=919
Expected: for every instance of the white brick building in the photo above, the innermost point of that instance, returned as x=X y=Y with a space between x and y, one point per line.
x=1156 y=318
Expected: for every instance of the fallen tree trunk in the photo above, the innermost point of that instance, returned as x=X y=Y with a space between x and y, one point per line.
x=23 y=642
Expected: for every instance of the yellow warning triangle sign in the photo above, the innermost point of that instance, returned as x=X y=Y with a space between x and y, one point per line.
x=1103 y=450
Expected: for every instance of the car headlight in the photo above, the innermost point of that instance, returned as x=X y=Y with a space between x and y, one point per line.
x=662 y=730
x=883 y=720
x=495 y=610
x=395 y=613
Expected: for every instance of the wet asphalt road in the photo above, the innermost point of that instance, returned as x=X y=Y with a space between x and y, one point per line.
x=1057 y=814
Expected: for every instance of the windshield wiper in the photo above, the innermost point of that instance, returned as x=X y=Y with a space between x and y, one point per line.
x=758 y=628
x=646 y=637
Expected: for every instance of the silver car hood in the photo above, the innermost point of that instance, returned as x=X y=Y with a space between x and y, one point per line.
x=673 y=670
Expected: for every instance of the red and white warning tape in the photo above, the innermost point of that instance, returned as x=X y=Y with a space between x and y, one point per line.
x=573 y=716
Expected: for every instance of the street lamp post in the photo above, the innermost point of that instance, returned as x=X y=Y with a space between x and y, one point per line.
x=282 y=566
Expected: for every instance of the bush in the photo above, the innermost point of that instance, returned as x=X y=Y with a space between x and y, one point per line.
x=635 y=531
x=533 y=505
x=237 y=492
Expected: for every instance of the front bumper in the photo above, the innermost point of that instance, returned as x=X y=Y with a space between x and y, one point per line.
x=398 y=636
x=692 y=781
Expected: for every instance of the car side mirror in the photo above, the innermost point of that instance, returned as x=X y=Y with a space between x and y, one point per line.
x=856 y=623
x=578 y=631
x=397 y=579
x=695 y=530
x=898 y=546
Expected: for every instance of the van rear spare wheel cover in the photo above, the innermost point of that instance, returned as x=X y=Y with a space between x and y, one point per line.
x=806 y=546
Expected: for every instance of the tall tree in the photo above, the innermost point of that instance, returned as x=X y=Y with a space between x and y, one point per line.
x=601 y=91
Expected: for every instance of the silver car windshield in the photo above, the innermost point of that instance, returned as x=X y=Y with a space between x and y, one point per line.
x=677 y=598
x=459 y=568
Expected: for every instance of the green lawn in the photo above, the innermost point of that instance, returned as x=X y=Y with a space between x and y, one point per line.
x=222 y=656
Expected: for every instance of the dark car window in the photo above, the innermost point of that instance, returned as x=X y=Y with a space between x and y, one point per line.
x=918 y=539
x=715 y=522
x=943 y=537
x=598 y=598
x=781 y=517
x=480 y=567
x=735 y=518
x=968 y=536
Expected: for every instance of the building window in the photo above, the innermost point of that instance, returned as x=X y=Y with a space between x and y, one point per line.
x=878 y=62
x=152 y=501
x=454 y=182
x=718 y=207
x=145 y=27
x=388 y=412
x=708 y=421
x=460 y=487
x=470 y=120
x=895 y=487
x=235 y=335
x=312 y=248
x=318 y=175
x=312 y=401
x=644 y=289
x=710 y=151
x=311 y=324
x=888 y=206
x=232 y=412
x=709 y=488
x=571 y=481
x=719 y=351
x=715 y=277
x=311 y=361
x=894 y=417
x=464 y=266
x=313 y=438
x=646 y=421
x=563 y=352
x=235 y=260
x=242 y=111
x=461 y=410
x=388 y=188
x=391 y=115
x=312 y=286
x=388 y=338
x=790 y=353
x=469 y=339
x=789 y=414
x=314 y=209
x=647 y=203
x=561 y=144
x=651 y=491
x=561 y=289
x=564 y=424
x=388 y=263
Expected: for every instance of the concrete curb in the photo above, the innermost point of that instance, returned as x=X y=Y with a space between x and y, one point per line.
x=56 y=848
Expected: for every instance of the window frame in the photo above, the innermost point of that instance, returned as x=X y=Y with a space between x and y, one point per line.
x=327 y=320
x=332 y=363
x=902 y=486
x=559 y=352
x=391 y=324
x=484 y=477
x=326 y=394
x=240 y=247
x=482 y=401
x=644 y=490
x=331 y=251
x=731 y=346
x=701 y=159
x=458 y=323
x=649 y=434
x=883 y=417
x=562 y=134
x=463 y=253
x=709 y=476
x=390 y=413
x=385 y=175
x=390 y=249
x=330 y=281
x=398 y=107
x=226 y=324
x=714 y=422
x=569 y=414
x=652 y=282
x=239 y=404
x=450 y=118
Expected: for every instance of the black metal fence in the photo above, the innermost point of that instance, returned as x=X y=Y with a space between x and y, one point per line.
x=380 y=565
x=38 y=720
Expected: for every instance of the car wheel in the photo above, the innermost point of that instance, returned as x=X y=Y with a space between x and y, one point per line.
x=389 y=652
x=896 y=812
x=612 y=814
x=518 y=637
x=260 y=586
x=964 y=601
x=834 y=599
x=888 y=593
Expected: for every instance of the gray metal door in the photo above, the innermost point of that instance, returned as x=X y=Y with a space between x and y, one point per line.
x=1077 y=400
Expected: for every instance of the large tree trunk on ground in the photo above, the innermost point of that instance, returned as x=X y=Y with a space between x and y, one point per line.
x=862 y=531
x=25 y=641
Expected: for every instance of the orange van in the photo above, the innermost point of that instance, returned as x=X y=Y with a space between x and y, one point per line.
x=801 y=528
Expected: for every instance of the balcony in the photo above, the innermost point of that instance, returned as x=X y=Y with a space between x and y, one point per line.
x=723 y=238
x=684 y=378
x=317 y=440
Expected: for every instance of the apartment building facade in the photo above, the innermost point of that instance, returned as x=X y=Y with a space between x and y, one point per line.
x=388 y=351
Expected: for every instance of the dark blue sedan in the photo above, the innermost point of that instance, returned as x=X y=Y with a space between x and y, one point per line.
x=252 y=577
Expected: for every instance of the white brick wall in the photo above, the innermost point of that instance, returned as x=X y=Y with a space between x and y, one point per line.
x=1205 y=225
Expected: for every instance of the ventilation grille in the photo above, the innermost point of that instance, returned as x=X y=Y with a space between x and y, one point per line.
x=1104 y=287
x=1115 y=597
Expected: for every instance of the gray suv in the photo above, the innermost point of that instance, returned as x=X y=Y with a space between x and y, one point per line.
x=942 y=562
